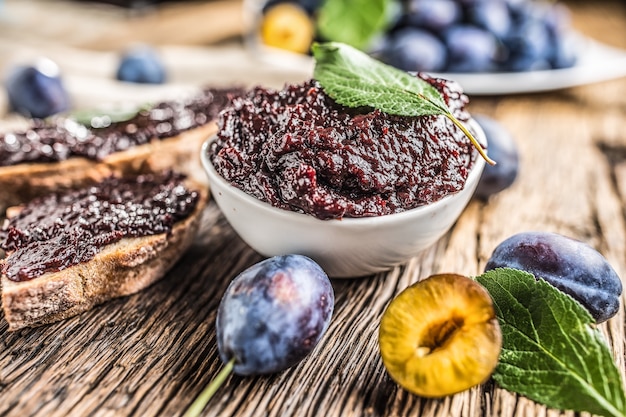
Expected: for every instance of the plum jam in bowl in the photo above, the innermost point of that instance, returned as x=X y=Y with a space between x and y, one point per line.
x=346 y=247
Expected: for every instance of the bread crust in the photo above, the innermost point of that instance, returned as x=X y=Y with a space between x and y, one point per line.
x=120 y=269
x=21 y=183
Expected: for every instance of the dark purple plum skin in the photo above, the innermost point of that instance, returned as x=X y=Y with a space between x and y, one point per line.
x=570 y=265
x=470 y=49
x=484 y=36
x=35 y=93
x=493 y=16
x=433 y=15
x=413 y=49
x=142 y=65
x=273 y=314
x=502 y=148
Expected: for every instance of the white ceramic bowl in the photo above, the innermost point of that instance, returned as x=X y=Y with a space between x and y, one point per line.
x=349 y=247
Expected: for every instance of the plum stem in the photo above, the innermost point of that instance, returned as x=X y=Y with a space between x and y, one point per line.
x=195 y=409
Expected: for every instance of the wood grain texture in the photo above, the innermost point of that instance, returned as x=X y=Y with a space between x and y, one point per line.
x=150 y=354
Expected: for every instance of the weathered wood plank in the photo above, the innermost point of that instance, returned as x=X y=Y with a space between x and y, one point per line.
x=150 y=354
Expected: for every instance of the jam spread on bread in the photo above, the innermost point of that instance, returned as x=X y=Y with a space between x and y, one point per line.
x=58 y=231
x=299 y=150
x=61 y=138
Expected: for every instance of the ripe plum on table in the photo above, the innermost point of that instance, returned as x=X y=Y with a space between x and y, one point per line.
x=502 y=148
x=37 y=90
x=271 y=316
x=274 y=314
x=571 y=266
x=143 y=65
x=440 y=336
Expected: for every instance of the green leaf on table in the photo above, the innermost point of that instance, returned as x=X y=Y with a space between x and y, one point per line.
x=354 y=79
x=354 y=22
x=552 y=353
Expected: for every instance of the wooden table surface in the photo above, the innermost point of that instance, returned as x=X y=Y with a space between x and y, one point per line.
x=150 y=354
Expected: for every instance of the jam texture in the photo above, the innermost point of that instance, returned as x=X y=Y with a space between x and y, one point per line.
x=61 y=138
x=299 y=150
x=57 y=231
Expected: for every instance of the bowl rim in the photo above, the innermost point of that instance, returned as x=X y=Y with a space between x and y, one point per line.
x=423 y=210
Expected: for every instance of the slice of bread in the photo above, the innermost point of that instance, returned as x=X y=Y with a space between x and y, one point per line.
x=118 y=269
x=168 y=135
x=21 y=183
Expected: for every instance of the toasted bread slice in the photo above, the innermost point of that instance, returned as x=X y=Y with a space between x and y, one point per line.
x=118 y=269
x=23 y=182
x=60 y=153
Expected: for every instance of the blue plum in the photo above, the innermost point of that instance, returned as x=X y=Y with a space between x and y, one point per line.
x=273 y=314
x=413 y=49
x=564 y=47
x=481 y=36
x=470 y=49
x=528 y=43
x=503 y=150
x=433 y=15
x=491 y=15
x=558 y=17
x=570 y=265
x=564 y=52
x=142 y=65
x=37 y=91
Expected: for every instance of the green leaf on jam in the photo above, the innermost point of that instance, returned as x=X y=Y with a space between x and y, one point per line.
x=354 y=22
x=354 y=79
x=551 y=351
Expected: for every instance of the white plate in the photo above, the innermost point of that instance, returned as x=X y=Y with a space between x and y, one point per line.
x=596 y=62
